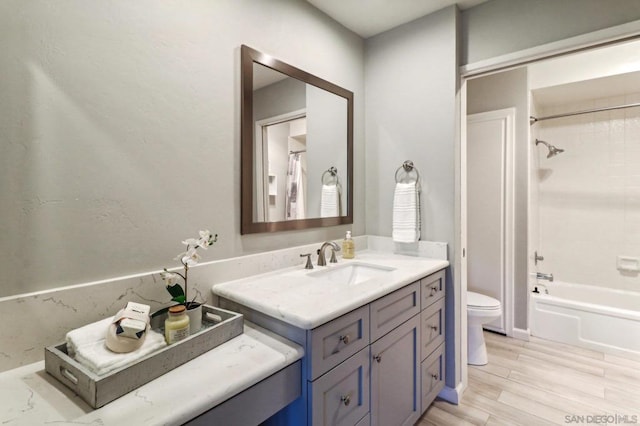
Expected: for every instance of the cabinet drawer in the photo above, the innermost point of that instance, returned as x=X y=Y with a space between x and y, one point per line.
x=432 y=320
x=432 y=288
x=337 y=340
x=341 y=397
x=432 y=376
x=393 y=309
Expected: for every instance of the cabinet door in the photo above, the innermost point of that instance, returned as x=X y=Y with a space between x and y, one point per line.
x=341 y=396
x=395 y=376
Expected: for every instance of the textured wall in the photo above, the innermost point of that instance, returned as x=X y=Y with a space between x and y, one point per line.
x=119 y=129
x=411 y=83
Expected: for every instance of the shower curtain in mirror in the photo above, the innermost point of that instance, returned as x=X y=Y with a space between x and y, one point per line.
x=295 y=206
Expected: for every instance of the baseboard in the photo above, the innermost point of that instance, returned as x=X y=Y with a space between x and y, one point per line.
x=520 y=334
x=452 y=395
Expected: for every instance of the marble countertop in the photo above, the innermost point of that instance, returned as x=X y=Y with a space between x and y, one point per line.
x=295 y=298
x=30 y=396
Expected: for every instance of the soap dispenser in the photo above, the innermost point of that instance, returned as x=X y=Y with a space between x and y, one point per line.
x=348 y=247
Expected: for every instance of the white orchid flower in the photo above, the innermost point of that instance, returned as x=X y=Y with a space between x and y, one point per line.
x=190 y=257
x=191 y=242
x=169 y=277
x=206 y=239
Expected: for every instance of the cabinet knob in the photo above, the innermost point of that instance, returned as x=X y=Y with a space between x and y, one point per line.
x=435 y=376
x=434 y=327
x=378 y=358
x=433 y=291
x=346 y=400
x=345 y=339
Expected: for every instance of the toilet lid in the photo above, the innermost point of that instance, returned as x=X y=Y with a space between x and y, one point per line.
x=480 y=301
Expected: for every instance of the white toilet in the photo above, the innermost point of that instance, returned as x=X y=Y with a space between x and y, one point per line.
x=481 y=310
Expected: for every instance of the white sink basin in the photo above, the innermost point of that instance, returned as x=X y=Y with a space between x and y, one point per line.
x=351 y=273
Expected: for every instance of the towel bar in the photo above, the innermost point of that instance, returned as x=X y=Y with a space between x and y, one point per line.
x=408 y=167
x=333 y=172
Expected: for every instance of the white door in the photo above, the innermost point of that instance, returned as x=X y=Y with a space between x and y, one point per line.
x=490 y=204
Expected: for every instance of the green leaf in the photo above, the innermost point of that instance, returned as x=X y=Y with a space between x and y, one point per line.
x=175 y=291
x=179 y=299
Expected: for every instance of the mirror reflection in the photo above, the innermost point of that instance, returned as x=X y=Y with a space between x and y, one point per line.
x=297 y=135
x=300 y=147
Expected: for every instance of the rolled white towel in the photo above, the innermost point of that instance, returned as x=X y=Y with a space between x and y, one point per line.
x=87 y=345
x=329 y=201
x=406 y=213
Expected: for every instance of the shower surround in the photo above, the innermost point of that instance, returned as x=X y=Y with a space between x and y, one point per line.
x=585 y=210
x=589 y=195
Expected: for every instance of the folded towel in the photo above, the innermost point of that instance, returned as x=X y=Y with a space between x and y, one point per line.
x=87 y=345
x=330 y=201
x=406 y=213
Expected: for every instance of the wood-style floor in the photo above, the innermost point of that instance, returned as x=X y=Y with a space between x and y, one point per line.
x=540 y=383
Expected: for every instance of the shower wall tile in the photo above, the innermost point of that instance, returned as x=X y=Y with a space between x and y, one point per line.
x=589 y=196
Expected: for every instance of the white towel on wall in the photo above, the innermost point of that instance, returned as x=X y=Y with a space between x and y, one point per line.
x=87 y=345
x=406 y=213
x=330 y=201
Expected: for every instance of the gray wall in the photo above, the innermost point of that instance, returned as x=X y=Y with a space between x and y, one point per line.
x=498 y=27
x=498 y=91
x=119 y=130
x=279 y=98
x=410 y=82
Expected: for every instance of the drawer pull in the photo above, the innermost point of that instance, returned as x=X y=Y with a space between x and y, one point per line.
x=346 y=400
x=434 y=376
x=68 y=375
x=378 y=358
x=433 y=291
x=434 y=327
x=345 y=339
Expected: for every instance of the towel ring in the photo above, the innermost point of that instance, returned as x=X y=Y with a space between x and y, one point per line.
x=408 y=167
x=333 y=172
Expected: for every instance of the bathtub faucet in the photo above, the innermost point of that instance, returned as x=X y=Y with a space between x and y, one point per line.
x=541 y=276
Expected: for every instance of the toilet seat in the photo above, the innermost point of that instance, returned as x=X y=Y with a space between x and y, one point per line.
x=477 y=301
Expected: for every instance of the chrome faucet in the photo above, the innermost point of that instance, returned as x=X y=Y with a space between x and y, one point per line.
x=541 y=276
x=334 y=248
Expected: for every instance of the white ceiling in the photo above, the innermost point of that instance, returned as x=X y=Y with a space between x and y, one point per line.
x=370 y=17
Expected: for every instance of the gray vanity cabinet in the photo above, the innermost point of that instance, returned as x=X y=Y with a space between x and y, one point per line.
x=381 y=364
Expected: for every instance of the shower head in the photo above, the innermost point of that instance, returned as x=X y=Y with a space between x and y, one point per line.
x=552 y=149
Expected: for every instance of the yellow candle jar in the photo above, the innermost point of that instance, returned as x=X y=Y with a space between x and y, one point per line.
x=176 y=326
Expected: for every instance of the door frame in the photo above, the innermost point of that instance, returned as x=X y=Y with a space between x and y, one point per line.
x=506 y=117
x=595 y=39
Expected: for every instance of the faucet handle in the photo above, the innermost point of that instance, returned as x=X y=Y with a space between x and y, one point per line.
x=309 y=265
x=333 y=255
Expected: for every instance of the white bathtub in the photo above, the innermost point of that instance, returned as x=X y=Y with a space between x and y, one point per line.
x=592 y=317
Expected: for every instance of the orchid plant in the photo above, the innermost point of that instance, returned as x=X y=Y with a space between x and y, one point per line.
x=188 y=258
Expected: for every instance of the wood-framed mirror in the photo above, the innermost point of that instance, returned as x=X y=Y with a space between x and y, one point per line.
x=296 y=148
